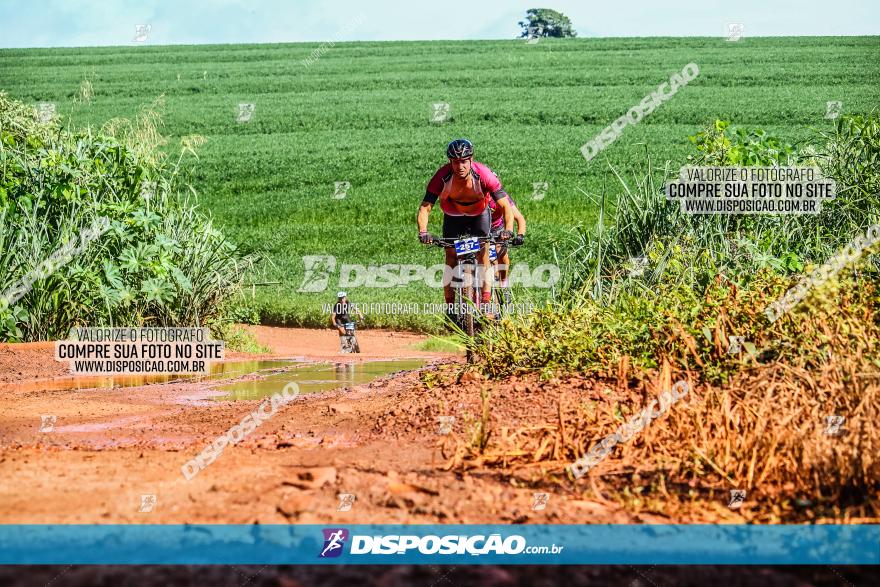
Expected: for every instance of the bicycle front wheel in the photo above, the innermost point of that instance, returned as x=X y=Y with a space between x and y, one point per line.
x=467 y=302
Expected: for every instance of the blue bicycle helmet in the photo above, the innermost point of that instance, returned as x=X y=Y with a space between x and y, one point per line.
x=460 y=149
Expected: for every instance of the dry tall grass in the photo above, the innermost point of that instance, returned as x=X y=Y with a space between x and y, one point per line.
x=766 y=430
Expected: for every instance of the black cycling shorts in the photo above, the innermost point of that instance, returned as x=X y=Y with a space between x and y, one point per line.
x=457 y=226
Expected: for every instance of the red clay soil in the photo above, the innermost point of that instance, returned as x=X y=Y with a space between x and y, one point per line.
x=380 y=442
x=111 y=446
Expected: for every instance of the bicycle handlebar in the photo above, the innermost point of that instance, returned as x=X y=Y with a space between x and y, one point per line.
x=450 y=242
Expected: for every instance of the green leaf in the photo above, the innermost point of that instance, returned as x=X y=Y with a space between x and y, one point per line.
x=181 y=279
x=129 y=260
x=111 y=272
x=157 y=291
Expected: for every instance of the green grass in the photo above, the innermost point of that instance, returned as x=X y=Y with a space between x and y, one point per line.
x=361 y=114
x=444 y=344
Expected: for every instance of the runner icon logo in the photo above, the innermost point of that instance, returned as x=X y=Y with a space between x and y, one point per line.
x=45 y=111
x=637 y=266
x=446 y=423
x=735 y=31
x=441 y=111
x=534 y=34
x=148 y=189
x=737 y=497
x=833 y=109
x=245 y=112
x=346 y=500
x=141 y=31
x=540 y=502
x=734 y=344
x=340 y=189
x=334 y=540
x=539 y=190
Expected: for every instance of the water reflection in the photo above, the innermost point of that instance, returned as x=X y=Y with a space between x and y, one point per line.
x=317 y=377
x=218 y=371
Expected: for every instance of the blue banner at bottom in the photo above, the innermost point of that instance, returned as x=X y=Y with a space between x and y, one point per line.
x=441 y=544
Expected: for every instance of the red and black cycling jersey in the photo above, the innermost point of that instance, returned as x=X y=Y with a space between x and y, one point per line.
x=464 y=197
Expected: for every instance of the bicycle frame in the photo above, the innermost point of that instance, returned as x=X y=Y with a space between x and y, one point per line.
x=348 y=342
x=467 y=261
x=466 y=296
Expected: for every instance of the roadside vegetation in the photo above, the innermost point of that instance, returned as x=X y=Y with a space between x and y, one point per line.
x=650 y=282
x=159 y=261
x=657 y=296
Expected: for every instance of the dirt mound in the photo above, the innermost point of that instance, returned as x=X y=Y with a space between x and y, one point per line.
x=767 y=433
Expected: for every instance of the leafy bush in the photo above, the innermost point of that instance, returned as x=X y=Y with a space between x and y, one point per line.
x=850 y=155
x=655 y=296
x=161 y=262
x=653 y=284
x=745 y=148
x=754 y=419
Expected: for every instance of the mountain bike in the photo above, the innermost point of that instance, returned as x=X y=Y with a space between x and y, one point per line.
x=348 y=342
x=503 y=293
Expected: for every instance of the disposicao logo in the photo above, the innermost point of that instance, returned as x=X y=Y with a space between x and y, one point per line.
x=393 y=544
x=334 y=540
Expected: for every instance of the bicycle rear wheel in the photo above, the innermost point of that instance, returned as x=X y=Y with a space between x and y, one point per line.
x=503 y=298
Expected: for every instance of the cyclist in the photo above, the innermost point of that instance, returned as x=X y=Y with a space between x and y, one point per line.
x=502 y=258
x=464 y=187
x=339 y=315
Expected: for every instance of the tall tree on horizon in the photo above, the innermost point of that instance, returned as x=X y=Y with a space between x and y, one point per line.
x=545 y=22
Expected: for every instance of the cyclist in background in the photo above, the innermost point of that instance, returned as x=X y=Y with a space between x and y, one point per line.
x=464 y=187
x=502 y=256
x=340 y=314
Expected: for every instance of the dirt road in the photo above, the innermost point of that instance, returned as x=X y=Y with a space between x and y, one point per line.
x=378 y=442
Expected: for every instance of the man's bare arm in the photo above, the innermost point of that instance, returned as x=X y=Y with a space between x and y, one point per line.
x=423 y=216
x=507 y=209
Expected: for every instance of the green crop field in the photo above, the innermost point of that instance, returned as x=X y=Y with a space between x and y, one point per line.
x=362 y=114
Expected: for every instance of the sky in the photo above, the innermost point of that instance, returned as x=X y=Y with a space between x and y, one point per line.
x=78 y=23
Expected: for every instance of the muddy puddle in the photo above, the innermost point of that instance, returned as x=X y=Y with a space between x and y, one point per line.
x=316 y=377
x=218 y=371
